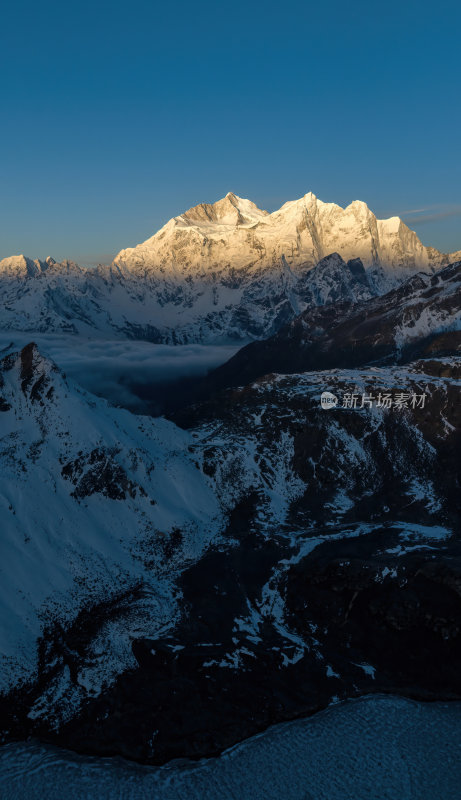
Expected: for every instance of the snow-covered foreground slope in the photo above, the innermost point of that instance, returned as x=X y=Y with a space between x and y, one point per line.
x=169 y=592
x=219 y=272
x=95 y=503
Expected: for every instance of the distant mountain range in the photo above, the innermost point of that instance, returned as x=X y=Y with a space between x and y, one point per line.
x=220 y=272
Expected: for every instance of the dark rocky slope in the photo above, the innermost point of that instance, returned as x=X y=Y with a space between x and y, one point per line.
x=419 y=318
x=338 y=573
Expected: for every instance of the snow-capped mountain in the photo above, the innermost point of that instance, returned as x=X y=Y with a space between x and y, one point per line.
x=219 y=272
x=169 y=592
x=235 y=234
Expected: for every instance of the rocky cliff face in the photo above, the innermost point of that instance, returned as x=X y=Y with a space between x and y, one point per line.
x=220 y=272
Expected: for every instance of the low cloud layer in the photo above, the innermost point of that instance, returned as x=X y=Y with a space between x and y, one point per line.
x=130 y=374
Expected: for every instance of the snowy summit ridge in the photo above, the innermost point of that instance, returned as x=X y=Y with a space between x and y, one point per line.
x=218 y=272
x=234 y=231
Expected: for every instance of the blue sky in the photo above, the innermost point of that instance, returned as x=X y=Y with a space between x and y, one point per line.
x=116 y=117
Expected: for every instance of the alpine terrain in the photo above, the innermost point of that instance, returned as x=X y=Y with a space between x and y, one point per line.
x=285 y=537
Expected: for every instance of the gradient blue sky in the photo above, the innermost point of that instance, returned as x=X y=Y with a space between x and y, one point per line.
x=117 y=116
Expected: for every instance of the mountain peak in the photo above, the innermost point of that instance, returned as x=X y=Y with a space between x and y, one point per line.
x=32 y=371
x=359 y=204
x=17 y=266
x=231 y=210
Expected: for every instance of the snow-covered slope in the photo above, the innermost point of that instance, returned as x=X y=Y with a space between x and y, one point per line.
x=336 y=573
x=92 y=501
x=219 y=272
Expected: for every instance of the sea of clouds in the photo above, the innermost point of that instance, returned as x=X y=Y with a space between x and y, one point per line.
x=135 y=375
